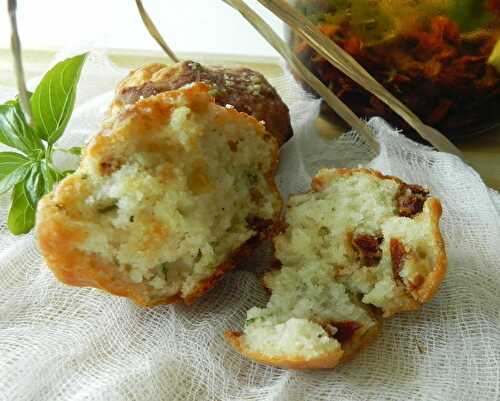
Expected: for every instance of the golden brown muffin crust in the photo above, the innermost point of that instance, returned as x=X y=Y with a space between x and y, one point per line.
x=244 y=89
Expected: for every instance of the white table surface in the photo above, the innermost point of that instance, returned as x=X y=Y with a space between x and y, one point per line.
x=195 y=26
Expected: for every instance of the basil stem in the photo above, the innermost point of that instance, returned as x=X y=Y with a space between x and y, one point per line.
x=18 y=61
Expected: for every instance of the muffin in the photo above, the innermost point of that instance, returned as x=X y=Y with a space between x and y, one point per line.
x=166 y=198
x=244 y=89
x=358 y=247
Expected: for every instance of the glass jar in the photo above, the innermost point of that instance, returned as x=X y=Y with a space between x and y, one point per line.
x=439 y=57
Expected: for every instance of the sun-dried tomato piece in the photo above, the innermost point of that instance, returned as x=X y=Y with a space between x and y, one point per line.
x=439 y=113
x=445 y=29
x=108 y=167
x=328 y=30
x=417 y=282
x=368 y=247
x=353 y=46
x=233 y=145
x=411 y=199
x=342 y=331
x=422 y=65
x=494 y=5
x=398 y=252
x=258 y=224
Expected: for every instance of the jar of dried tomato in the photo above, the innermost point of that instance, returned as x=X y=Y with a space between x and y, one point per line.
x=439 y=57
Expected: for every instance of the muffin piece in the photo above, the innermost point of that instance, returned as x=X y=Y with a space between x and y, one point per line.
x=357 y=246
x=244 y=89
x=164 y=200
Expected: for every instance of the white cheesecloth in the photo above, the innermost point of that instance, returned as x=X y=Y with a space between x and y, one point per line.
x=66 y=343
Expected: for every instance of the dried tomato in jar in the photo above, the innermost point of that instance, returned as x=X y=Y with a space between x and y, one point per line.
x=439 y=57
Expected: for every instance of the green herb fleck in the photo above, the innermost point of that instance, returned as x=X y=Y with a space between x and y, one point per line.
x=164 y=268
x=107 y=208
x=324 y=231
x=254 y=320
x=252 y=177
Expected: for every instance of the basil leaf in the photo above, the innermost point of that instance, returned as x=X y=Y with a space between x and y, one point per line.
x=54 y=98
x=34 y=184
x=21 y=214
x=40 y=179
x=15 y=131
x=13 y=168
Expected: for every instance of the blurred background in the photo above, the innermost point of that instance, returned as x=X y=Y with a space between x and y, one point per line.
x=201 y=26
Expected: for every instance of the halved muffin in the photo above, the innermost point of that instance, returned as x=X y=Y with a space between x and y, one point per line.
x=166 y=197
x=357 y=246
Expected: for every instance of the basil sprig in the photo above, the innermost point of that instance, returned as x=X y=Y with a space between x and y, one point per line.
x=29 y=170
